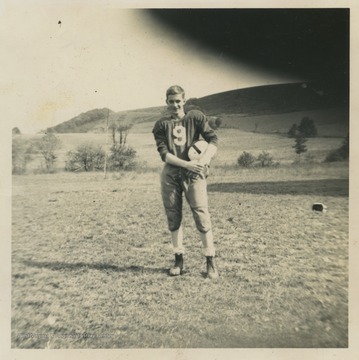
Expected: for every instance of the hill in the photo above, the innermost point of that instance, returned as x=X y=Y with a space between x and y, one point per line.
x=94 y=121
x=247 y=102
x=271 y=99
x=85 y=122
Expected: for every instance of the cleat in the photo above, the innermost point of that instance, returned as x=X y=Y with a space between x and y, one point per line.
x=177 y=269
x=212 y=272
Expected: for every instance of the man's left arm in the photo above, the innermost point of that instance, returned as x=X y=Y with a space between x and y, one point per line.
x=211 y=137
x=208 y=154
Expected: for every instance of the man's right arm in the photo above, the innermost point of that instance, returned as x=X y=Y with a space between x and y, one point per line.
x=193 y=165
x=159 y=134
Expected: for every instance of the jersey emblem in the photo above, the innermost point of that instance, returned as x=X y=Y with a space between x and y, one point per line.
x=179 y=133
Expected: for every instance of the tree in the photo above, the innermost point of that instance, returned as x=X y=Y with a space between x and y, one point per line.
x=21 y=155
x=122 y=156
x=124 y=128
x=307 y=128
x=299 y=145
x=47 y=146
x=292 y=132
x=16 y=131
x=113 y=127
x=119 y=125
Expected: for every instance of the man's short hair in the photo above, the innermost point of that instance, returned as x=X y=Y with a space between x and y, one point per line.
x=174 y=90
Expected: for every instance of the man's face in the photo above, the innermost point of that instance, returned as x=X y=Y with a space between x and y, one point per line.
x=176 y=104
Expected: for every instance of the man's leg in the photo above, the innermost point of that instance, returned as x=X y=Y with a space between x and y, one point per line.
x=196 y=195
x=209 y=253
x=177 y=241
x=178 y=249
x=207 y=242
x=172 y=201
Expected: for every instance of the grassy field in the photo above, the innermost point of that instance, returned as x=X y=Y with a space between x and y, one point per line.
x=90 y=255
x=332 y=122
x=90 y=259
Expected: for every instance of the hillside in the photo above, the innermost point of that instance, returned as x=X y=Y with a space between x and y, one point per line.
x=85 y=122
x=271 y=99
x=247 y=102
x=94 y=121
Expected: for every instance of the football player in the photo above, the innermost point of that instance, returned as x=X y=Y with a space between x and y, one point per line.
x=174 y=135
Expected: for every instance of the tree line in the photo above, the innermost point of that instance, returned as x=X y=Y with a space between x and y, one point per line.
x=306 y=129
x=85 y=157
x=91 y=157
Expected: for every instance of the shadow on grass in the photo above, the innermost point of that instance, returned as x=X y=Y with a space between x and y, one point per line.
x=324 y=187
x=92 y=266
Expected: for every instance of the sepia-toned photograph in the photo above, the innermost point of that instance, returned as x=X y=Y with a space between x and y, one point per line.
x=179 y=176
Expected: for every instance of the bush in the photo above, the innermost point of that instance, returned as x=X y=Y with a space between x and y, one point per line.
x=309 y=158
x=214 y=122
x=89 y=157
x=246 y=160
x=86 y=157
x=122 y=158
x=264 y=159
x=335 y=155
x=340 y=154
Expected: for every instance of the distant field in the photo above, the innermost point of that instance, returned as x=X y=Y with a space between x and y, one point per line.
x=232 y=143
x=330 y=122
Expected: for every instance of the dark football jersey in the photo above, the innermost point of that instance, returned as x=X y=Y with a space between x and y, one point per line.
x=176 y=136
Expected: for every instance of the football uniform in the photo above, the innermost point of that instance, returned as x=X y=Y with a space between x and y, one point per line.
x=176 y=137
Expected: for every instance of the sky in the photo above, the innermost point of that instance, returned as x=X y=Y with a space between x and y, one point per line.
x=61 y=60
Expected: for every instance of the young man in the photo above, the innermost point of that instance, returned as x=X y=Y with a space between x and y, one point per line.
x=174 y=136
